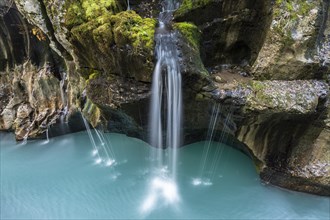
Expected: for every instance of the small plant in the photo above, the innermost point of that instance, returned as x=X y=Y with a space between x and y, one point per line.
x=39 y=34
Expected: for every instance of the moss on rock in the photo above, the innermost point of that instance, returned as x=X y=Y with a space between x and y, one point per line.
x=188 y=5
x=289 y=50
x=126 y=27
x=81 y=11
x=109 y=41
x=293 y=8
x=192 y=67
x=191 y=33
x=130 y=28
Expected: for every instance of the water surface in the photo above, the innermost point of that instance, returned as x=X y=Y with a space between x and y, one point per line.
x=60 y=180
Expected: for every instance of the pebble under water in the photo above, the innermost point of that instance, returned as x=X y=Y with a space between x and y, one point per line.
x=61 y=180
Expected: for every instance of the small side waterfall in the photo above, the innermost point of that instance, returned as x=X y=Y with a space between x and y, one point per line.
x=47 y=135
x=63 y=96
x=128 y=6
x=166 y=100
x=211 y=155
x=209 y=138
x=103 y=152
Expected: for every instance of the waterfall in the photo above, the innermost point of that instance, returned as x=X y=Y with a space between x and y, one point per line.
x=166 y=100
x=209 y=138
x=91 y=138
x=63 y=97
x=47 y=136
x=128 y=6
x=212 y=154
x=103 y=149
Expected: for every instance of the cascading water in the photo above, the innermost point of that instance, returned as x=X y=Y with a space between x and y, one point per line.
x=63 y=96
x=206 y=151
x=166 y=78
x=105 y=149
x=128 y=6
x=219 y=149
x=47 y=135
x=211 y=157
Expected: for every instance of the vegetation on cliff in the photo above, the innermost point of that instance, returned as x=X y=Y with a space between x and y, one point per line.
x=190 y=32
x=82 y=11
x=101 y=37
x=289 y=51
x=188 y=5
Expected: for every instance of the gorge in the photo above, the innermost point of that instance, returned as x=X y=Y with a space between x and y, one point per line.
x=256 y=72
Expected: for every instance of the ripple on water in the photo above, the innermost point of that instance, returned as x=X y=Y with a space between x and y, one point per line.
x=60 y=181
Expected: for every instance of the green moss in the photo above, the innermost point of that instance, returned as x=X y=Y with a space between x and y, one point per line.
x=81 y=11
x=96 y=8
x=92 y=75
x=101 y=40
x=261 y=97
x=191 y=33
x=130 y=28
x=84 y=33
x=74 y=15
x=287 y=14
x=97 y=31
x=257 y=86
x=123 y=28
x=190 y=39
x=188 y=5
x=293 y=8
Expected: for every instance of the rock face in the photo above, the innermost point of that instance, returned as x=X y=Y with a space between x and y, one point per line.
x=232 y=31
x=287 y=136
x=34 y=101
x=36 y=89
x=295 y=41
x=261 y=67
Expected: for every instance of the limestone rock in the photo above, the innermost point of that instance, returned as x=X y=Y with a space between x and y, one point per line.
x=290 y=137
x=291 y=49
x=232 y=31
x=35 y=101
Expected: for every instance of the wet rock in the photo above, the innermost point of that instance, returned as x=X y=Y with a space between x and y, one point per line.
x=35 y=101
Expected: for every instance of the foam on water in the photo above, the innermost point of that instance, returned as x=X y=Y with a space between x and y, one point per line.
x=162 y=191
x=201 y=182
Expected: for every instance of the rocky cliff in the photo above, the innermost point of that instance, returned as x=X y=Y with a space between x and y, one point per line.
x=266 y=63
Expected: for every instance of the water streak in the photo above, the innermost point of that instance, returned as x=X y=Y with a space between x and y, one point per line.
x=210 y=132
x=101 y=147
x=106 y=149
x=220 y=147
x=211 y=157
x=63 y=97
x=25 y=138
x=91 y=138
x=47 y=136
